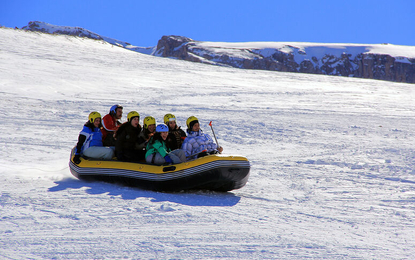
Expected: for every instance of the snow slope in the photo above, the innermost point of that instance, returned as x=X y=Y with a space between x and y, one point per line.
x=333 y=159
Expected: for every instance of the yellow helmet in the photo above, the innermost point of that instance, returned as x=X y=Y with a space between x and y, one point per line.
x=93 y=115
x=149 y=120
x=190 y=120
x=169 y=117
x=133 y=114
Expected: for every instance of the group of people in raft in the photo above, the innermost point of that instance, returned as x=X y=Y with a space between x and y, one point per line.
x=162 y=144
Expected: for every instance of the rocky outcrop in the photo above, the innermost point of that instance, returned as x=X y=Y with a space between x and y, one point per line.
x=361 y=65
x=176 y=47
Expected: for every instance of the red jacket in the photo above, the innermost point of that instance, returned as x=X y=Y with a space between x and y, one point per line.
x=110 y=125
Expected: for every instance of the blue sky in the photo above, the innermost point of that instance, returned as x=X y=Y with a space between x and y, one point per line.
x=143 y=23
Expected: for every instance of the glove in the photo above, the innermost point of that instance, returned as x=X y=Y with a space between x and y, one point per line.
x=77 y=159
x=168 y=159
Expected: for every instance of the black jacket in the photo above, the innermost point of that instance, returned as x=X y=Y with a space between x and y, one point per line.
x=127 y=138
x=175 y=138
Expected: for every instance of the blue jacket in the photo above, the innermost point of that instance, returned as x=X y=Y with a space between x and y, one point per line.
x=196 y=142
x=87 y=138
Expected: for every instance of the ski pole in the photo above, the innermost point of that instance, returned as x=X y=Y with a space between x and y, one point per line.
x=211 y=127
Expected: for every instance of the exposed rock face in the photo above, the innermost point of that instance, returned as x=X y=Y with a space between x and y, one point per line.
x=176 y=47
x=361 y=65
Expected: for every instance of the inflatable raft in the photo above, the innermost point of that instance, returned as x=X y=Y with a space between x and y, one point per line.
x=213 y=172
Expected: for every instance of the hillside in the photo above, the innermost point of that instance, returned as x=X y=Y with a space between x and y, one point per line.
x=332 y=159
x=373 y=61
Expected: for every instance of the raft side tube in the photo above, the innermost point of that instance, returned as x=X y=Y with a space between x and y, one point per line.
x=212 y=172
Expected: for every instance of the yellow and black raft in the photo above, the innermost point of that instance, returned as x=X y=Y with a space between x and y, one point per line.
x=213 y=172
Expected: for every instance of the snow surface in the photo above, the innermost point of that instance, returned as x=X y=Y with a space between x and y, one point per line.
x=333 y=159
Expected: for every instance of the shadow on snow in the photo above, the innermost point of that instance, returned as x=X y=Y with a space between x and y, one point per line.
x=190 y=198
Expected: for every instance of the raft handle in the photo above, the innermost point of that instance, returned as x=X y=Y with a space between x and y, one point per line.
x=169 y=168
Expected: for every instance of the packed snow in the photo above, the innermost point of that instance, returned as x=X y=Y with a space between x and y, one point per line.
x=332 y=159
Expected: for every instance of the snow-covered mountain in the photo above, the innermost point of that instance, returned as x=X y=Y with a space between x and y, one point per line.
x=332 y=159
x=373 y=61
x=69 y=30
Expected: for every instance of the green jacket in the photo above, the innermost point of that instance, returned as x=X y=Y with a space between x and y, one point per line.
x=157 y=147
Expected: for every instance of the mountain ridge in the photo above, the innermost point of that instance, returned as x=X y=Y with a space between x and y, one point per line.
x=374 y=61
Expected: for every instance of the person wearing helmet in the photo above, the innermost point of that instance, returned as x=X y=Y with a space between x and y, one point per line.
x=197 y=143
x=110 y=124
x=158 y=151
x=126 y=143
x=176 y=135
x=90 y=141
x=149 y=129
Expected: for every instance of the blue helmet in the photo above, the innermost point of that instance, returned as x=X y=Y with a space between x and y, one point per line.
x=113 y=109
x=162 y=128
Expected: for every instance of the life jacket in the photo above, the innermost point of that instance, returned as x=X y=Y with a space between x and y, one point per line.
x=93 y=137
